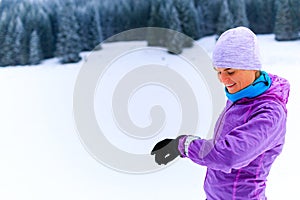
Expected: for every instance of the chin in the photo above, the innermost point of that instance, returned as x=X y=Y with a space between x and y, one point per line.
x=232 y=91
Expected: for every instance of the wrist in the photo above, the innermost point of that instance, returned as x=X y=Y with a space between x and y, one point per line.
x=184 y=143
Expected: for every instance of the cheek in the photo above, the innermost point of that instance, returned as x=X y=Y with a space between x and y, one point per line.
x=245 y=82
x=239 y=82
x=234 y=79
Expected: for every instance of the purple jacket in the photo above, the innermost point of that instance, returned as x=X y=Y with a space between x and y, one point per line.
x=248 y=136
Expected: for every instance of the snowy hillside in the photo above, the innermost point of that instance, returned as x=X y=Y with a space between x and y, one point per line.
x=42 y=157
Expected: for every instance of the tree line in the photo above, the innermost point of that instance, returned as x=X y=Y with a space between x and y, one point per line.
x=31 y=31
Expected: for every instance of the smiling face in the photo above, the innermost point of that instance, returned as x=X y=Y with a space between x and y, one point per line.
x=236 y=79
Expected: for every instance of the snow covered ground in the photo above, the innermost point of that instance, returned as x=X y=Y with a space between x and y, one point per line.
x=42 y=156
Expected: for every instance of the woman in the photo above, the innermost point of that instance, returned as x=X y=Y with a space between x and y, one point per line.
x=250 y=131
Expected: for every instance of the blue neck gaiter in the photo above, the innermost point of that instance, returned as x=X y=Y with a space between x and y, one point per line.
x=259 y=86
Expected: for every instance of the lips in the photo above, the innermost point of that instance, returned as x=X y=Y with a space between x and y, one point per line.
x=229 y=85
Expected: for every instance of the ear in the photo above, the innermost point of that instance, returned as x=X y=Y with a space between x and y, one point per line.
x=257 y=73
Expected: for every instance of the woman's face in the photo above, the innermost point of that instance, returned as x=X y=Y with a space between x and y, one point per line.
x=235 y=79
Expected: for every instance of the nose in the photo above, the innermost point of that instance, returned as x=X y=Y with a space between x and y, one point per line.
x=223 y=77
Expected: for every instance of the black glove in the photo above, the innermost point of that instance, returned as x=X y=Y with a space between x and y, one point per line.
x=166 y=150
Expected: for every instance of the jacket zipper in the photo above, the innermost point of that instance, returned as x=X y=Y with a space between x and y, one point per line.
x=220 y=121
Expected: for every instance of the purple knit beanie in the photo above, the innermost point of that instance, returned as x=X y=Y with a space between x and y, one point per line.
x=237 y=48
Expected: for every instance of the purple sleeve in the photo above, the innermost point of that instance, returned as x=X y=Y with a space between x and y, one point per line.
x=236 y=149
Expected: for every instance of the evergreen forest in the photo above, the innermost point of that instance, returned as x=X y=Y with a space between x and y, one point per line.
x=34 y=30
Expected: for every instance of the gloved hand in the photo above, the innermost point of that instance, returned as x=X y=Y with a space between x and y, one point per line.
x=166 y=150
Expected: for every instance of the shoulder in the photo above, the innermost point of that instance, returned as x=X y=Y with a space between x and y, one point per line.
x=272 y=110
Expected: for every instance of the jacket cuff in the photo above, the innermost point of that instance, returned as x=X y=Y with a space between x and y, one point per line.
x=184 y=143
x=181 y=146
